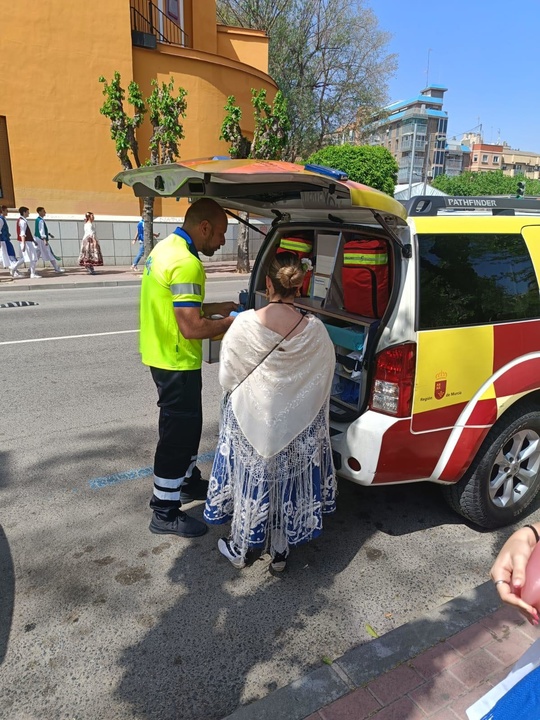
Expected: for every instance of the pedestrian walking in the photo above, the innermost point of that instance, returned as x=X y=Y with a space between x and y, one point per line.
x=273 y=475
x=9 y=258
x=139 y=237
x=27 y=243
x=174 y=319
x=90 y=255
x=42 y=235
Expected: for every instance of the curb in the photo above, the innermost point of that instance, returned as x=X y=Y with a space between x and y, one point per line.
x=67 y=286
x=365 y=662
x=13 y=285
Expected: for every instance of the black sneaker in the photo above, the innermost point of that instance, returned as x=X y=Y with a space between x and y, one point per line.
x=279 y=562
x=193 y=490
x=182 y=525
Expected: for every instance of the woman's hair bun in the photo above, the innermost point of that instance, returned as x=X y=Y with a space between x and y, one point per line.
x=286 y=273
x=291 y=276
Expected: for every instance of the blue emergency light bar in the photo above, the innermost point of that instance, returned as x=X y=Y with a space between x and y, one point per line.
x=328 y=172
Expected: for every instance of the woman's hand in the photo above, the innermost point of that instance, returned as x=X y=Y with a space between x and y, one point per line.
x=509 y=567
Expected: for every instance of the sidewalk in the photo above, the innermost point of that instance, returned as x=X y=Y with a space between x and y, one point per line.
x=106 y=276
x=432 y=668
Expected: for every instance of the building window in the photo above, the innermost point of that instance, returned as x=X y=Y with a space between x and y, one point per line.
x=475 y=158
x=475 y=279
x=495 y=159
x=484 y=158
x=518 y=168
x=173 y=9
x=7 y=194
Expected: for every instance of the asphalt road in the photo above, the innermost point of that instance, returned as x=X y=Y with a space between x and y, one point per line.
x=101 y=619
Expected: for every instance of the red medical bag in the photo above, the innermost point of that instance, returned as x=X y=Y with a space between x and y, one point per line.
x=365 y=277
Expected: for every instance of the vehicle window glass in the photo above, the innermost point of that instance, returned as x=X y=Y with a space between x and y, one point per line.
x=475 y=279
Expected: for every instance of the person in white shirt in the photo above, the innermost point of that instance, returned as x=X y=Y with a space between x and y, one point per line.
x=26 y=239
x=41 y=236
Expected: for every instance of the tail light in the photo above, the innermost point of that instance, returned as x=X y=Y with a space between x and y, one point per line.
x=394 y=380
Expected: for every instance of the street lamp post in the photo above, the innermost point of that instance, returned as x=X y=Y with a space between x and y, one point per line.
x=412 y=159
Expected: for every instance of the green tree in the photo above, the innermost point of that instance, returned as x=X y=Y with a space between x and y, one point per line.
x=231 y=132
x=165 y=113
x=271 y=127
x=269 y=141
x=484 y=183
x=165 y=110
x=366 y=164
x=328 y=57
x=123 y=126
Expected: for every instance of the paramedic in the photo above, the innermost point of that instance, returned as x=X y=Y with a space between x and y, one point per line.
x=174 y=321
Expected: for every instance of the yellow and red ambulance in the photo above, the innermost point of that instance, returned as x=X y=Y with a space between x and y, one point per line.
x=439 y=379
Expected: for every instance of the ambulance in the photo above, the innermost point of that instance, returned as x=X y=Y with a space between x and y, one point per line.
x=434 y=312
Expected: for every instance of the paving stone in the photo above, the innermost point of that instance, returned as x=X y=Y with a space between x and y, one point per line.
x=460 y=705
x=434 y=661
x=497 y=677
x=357 y=705
x=502 y=620
x=477 y=667
x=444 y=714
x=438 y=692
x=470 y=639
x=529 y=630
x=395 y=683
x=399 y=710
x=510 y=648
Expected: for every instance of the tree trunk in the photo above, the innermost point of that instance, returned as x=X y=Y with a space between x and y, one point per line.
x=242 y=262
x=148 y=216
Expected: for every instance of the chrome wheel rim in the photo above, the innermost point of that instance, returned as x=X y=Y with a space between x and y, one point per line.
x=515 y=468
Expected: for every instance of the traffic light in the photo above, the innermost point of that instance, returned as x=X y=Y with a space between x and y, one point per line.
x=520 y=189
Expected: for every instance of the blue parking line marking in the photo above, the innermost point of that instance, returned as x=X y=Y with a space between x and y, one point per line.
x=116 y=478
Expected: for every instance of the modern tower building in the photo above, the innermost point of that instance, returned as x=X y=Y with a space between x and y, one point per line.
x=414 y=131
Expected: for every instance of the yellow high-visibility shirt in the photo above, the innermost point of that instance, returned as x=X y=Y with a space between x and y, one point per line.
x=173 y=277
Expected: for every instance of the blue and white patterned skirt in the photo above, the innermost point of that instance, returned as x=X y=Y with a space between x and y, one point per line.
x=276 y=502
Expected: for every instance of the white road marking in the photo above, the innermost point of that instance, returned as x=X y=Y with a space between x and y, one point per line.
x=67 y=337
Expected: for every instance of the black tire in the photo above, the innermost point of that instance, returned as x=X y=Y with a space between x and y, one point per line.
x=476 y=496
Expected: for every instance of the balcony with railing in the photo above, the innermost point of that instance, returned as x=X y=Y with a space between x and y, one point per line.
x=408 y=141
x=150 y=25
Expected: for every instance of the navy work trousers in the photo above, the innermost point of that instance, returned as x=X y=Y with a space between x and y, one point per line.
x=180 y=427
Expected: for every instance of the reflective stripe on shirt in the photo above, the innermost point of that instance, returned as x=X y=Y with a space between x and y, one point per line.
x=185 y=289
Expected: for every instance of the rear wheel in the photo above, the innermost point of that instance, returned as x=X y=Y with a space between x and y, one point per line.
x=504 y=477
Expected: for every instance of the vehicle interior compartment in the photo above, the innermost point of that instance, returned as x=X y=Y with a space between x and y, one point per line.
x=348 y=288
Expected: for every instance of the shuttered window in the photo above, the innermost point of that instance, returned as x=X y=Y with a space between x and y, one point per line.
x=7 y=194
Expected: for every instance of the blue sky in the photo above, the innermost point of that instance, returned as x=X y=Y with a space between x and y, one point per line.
x=485 y=52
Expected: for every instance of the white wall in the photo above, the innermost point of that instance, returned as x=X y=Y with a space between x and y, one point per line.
x=116 y=233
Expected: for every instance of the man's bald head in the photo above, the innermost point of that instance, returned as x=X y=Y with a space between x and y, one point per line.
x=203 y=209
x=206 y=224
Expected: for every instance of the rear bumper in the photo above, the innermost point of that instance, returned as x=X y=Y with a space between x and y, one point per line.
x=362 y=440
x=387 y=450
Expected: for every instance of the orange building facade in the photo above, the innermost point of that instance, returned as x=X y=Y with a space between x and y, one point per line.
x=55 y=146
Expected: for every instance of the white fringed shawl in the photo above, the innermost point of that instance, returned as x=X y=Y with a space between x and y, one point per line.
x=285 y=393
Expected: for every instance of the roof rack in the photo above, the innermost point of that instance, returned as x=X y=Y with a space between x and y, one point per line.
x=429 y=205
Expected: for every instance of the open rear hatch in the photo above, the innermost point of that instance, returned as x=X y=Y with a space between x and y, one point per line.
x=266 y=188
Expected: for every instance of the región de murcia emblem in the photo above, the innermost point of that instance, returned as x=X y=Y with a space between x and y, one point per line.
x=440 y=385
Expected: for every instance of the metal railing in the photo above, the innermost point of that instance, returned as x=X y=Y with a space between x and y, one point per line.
x=147 y=18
